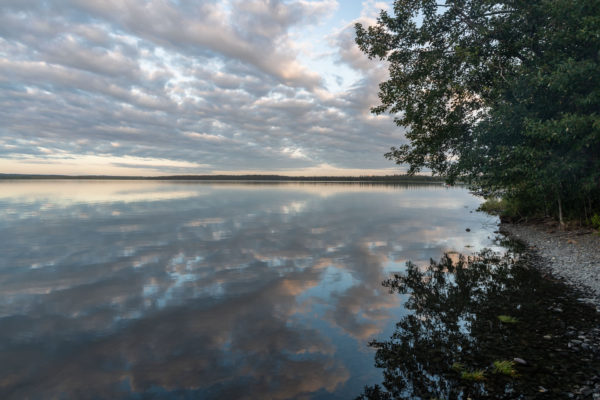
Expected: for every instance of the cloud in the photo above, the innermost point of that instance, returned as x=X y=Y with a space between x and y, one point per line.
x=217 y=86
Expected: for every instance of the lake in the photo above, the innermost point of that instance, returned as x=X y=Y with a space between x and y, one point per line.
x=136 y=289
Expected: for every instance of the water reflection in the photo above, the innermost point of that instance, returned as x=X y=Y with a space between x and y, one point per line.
x=134 y=289
x=468 y=314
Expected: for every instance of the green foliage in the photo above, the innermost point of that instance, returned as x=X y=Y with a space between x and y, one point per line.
x=476 y=375
x=505 y=367
x=494 y=205
x=507 y=319
x=595 y=220
x=458 y=367
x=473 y=375
x=501 y=94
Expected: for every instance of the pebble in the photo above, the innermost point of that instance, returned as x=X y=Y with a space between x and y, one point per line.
x=578 y=263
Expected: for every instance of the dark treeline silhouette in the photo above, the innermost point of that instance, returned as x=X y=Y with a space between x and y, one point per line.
x=280 y=178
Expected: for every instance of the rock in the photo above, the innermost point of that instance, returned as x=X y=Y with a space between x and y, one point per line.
x=576 y=260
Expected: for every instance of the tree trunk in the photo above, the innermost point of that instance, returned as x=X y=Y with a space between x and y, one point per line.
x=560 y=215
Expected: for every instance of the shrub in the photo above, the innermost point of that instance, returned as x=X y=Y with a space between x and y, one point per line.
x=596 y=221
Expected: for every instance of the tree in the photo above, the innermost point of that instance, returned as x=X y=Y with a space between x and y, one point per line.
x=502 y=94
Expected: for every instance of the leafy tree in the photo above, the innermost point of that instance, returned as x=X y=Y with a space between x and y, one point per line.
x=502 y=94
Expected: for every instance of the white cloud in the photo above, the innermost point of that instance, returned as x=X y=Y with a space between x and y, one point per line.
x=294 y=153
x=216 y=86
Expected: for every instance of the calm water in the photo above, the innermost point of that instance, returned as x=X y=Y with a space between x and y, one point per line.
x=193 y=290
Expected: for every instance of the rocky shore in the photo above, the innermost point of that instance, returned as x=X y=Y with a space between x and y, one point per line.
x=572 y=256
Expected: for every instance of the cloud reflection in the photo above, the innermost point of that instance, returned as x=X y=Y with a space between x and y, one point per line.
x=249 y=291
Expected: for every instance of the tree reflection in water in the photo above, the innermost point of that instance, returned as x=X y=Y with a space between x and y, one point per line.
x=454 y=329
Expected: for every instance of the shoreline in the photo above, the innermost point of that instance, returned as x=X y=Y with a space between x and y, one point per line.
x=572 y=256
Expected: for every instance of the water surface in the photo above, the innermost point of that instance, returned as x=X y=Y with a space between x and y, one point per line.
x=487 y=327
x=127 y=289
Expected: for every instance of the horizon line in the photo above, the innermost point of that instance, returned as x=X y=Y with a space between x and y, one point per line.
x=222 y=176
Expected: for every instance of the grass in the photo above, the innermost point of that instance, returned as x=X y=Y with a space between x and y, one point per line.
x=493 y=205
x=505 y=368
x=458 y=367
x=476 y=375
x=507 y=319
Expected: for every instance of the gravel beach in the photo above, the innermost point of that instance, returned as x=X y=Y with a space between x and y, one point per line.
x=573 y=255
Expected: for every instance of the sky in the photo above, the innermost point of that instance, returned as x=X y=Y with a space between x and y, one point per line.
x=160 y=87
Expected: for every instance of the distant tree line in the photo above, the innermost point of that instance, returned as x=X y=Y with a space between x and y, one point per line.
x=275 y=178
x=504 y=95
